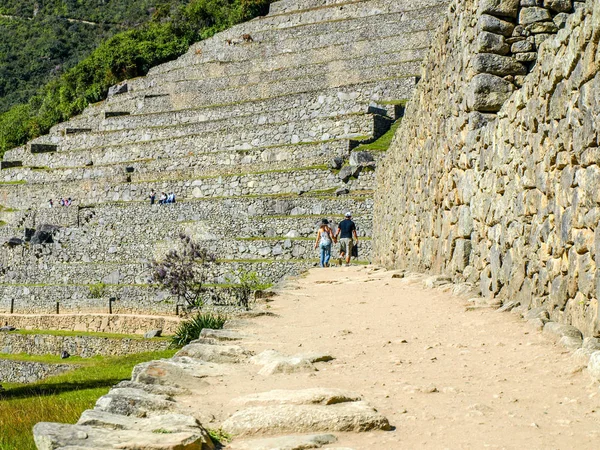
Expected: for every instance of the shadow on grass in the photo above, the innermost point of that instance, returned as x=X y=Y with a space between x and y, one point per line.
x=49 y=389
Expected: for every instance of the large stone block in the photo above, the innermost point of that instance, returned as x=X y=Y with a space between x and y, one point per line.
x=502 y=8
x=497 y=65
x=487 y=93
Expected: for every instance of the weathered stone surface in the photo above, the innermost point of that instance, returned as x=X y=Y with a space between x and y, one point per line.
x=490 y=63
x=157 y=389
x=117 y=89
x=492 y=43
x=297 y=442
x=361 y=158
x=314 y=396
x=533 y=14
x=215 y=353
x=152 y=334
x=51 y=436
x=221 y=335
x=178 y=372
x=594 y=366
x=502 y=8
x=487 y=93
x=495 y=25
x=336 y=163
x=134 y=402
x=353 y=416
x=275 y=362
x=559 y=6
x=558 y=330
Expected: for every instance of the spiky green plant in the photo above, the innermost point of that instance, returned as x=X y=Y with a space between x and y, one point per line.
x=190 y=329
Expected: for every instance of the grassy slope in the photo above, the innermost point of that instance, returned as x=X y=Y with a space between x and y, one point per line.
x=61 y=398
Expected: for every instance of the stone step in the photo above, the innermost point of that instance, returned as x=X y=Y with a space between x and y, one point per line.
x=124 y=250
x=236 y=138
x=237 y=127
x=286 y=6
x=328 y=102
x=189 y=167
x=413 y=29
x=319 y=15
x=137 y=273
x=284 y=182
x=51 y=436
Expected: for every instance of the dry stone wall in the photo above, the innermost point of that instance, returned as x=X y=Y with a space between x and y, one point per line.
x=510 y=201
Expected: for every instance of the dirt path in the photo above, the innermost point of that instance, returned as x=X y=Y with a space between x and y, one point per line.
x=443 y=376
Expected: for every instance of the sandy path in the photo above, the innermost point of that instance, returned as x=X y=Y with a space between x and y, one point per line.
x=443 y=376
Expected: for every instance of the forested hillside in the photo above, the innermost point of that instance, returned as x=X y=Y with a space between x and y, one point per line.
x=40 y=39
x=57 y=56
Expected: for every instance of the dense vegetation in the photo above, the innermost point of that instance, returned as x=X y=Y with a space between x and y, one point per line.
x=39 y=40
x=171 y=29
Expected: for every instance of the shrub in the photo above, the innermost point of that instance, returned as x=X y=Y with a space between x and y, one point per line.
x=184 y=271
x=248 y=282
x=190 y=329
x=98 y=290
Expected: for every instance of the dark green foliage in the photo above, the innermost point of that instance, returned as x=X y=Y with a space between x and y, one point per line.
x=128 y=54
x=189 y=330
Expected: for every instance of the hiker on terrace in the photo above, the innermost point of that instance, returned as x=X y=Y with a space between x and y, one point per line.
x=324 y=240
x=163 y=198
x=152 y=196
x=346 y=231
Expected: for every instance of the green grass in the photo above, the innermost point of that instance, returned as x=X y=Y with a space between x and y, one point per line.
x=61 y=398
x=383 y=143
x=10 y=183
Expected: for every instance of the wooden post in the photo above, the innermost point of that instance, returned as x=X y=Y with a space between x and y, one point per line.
x=12 y=305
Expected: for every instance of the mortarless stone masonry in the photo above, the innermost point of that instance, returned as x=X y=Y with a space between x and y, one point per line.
x=508 y=202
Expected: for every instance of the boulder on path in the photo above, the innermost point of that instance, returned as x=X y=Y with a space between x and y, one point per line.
x=294 y=442
x=274 y=362
x=364 y=159
x=215 y=353
x=51 y=436
x=184 y=373
x=279 y=419
x=134 y=402
x=313 y=396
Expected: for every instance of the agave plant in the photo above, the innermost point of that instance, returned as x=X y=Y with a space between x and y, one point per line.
x=190 y=329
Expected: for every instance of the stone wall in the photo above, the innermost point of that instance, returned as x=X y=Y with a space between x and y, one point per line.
x=29 y=372
x=510 y=201
x=95 y=323
x=84 y=346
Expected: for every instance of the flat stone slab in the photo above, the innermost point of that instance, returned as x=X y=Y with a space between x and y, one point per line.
x=279 y=419
x=153 y=388
x=181 y=372
x=296 y=442
x=221 y=335
x=52 y=436
x=134 y=402
x=314 y=396
x=229 y=354
x=172 y=423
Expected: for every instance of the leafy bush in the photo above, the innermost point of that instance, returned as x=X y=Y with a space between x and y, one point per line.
x=125 y=55
x=98 y=290
x=189 y=330
x=248 y=282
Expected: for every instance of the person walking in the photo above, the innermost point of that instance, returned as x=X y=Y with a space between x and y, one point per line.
x=152 y=196
x=346 y=231
x=324 y=240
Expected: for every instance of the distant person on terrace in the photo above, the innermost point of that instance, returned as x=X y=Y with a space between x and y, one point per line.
x=346 y=231
x=324 y=240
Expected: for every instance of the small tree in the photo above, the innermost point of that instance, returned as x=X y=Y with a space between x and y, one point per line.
x=184 y=272
x=249 y=282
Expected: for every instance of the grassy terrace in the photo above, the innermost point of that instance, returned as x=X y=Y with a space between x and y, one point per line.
x=61 y=398
x=383 y=143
